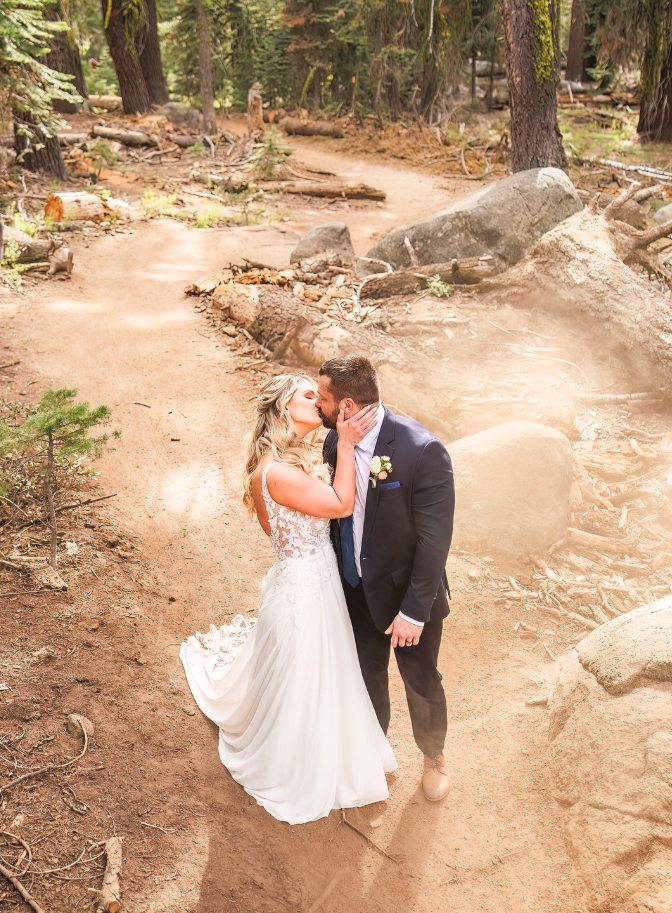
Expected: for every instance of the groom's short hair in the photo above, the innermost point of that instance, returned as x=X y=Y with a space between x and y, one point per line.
x=352 y=377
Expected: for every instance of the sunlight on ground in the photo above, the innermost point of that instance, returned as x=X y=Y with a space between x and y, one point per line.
x=193 y=491
x=65 y=304
x=152 y=321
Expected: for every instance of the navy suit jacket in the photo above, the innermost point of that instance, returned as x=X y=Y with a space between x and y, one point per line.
x=408 y=524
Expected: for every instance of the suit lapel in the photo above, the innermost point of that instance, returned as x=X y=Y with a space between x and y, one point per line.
x=383 y=447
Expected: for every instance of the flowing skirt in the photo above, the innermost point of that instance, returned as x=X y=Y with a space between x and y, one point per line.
x=296 y=725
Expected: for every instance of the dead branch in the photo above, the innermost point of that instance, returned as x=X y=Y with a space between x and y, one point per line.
x=415 y=263
x=611 y=398
x=20 y=888
x=653 y=234
x=294 y=126
x=601 y=543
x=50 y=767
x=465 y=271
x=347 y=190
x=612 y=209
x=354 y=827
x=26 y=847
x=110 y=894
x=127 y=137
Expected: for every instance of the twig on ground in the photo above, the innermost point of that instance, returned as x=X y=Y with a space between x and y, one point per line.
x=9 y=364
x=50 y=767
x=20 y=888
x=164 y=830
x=26 y=847
x=377 y=848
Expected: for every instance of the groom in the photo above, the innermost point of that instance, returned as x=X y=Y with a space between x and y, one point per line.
x=392 y=554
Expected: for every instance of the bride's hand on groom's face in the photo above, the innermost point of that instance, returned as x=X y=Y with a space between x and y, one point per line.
x=355 y=429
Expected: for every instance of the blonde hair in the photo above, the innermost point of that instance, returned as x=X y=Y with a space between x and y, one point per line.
x=274 y=431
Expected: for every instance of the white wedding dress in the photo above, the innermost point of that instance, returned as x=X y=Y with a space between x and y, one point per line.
x=296 y=725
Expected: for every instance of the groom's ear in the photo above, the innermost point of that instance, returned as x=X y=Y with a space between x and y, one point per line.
x=349 y=407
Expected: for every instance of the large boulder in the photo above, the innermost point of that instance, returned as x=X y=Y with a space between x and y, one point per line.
x=504 y=220
x=182 y=116
x=333 y=236
x=610 y=734
x=512 y=488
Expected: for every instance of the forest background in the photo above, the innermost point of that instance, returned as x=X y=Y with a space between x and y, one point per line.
x=356 y=58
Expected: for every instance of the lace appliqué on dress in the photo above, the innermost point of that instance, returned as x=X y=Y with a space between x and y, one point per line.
x=293 y=534
x=224 y=643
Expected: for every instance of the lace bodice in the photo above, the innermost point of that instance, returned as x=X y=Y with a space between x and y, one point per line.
x=293 y=534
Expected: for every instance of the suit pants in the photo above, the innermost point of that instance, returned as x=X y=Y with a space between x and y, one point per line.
x=417 y=666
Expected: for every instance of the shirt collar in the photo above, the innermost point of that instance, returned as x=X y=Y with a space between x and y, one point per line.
x=369 y=442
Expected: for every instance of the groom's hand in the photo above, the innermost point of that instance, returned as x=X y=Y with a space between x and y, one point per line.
x=404 y=634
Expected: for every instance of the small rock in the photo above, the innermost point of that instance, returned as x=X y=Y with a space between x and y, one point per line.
x=333 y=236
x=17 y=822
x=473 y=574
x=76 y=722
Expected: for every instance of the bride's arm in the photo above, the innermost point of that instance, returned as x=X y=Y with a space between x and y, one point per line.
x=292 y=487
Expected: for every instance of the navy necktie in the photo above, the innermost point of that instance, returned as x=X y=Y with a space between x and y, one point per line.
x=348 y=551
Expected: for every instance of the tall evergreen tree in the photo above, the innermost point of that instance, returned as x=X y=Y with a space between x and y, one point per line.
x=531 y=41
x=123 y=21
x=150 y=57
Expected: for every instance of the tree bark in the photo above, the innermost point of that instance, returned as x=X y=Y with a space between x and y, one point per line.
x=576 y=62
x=465 y=271
x=530 y=31
x=295 y=126
x=46 y=159
x=150 y=58
x=205 y=71
x=655 y=112
x=126 y=60
x=64 y=57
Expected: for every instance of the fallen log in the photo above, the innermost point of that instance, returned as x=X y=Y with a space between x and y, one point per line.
x=348 y=190
x=465 y=271
x=72 y=139
x=106 y=102
x=182 y=140
x=110 y=894
x=31 y=250
x=74 y=207
x=127 y=137
x=601 y=543
x=296 y=127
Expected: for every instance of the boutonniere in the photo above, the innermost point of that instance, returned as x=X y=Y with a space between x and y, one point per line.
x=379 y=469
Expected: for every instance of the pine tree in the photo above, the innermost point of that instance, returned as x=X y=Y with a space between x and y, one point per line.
x=56 y=431
x=30 y=86
x=531 y=40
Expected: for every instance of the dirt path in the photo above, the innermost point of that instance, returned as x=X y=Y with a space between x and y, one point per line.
x=121 y=331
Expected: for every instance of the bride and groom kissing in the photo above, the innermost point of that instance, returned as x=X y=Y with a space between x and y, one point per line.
x=361 y=533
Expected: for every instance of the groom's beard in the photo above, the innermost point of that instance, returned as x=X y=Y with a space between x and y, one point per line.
x=329 y=421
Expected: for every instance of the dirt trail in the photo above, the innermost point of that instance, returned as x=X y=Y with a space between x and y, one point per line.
x=122 y=331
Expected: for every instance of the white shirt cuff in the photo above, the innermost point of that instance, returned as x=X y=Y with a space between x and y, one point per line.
x=420 y=624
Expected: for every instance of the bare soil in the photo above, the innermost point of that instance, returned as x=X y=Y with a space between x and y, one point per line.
x=124 y=334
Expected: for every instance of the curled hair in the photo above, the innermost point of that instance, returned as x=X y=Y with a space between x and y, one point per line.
x=274 y=431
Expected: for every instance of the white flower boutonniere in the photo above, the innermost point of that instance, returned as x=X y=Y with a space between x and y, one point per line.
x=380 y=469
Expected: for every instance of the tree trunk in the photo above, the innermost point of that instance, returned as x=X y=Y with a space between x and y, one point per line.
x=655 y=113
x=205 y=71
x=150 y=58
x=126 y=60
x=532 y=70
x=46 y=159
x=49 y=503
x=64 y=57
x=576 y=62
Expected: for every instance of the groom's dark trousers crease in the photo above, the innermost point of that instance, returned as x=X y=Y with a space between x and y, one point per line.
x=417 y=667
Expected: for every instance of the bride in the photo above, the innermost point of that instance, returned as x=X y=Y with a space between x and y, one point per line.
x=296 y=725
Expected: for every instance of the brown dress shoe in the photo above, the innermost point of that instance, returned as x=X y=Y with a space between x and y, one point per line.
x=435 y=781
